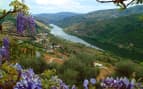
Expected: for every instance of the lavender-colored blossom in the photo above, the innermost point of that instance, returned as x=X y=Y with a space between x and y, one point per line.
x=6 y=43
x=25 y=21
x=0 y=59
x=20 y=22
x=122 y=83
x=29 y=81
x=31 y=23
x=85 y=84
x=126 y=81
x=18 y=67
x=131 y=84
x=64 y=86
x=4 y=51
x=93 y=81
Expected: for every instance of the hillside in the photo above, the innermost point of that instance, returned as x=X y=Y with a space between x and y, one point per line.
x=71 y=19
x=54 y=18
x=118 y=31
x=97 y=50
x=122 y=36
x=99 y=15
x=31 y=53
x=52 y=56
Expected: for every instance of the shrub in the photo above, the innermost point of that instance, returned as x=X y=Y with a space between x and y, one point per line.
x=139 y=72
x=129 y=69
x=71 y=75
x=125 y=68
x=76 y=68
x=38 y=65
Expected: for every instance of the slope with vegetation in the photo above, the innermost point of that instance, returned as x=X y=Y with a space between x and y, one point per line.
x=54 y=18
x=23 y=62
x=77 y=66
x=122 y=35
x=118 y=31
x=92 y=16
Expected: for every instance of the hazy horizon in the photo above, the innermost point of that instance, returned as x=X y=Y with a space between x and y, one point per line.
x=56 y=6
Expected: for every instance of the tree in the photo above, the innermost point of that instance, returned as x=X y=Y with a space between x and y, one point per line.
x=122 y=3
x=16 y=7
x=19 y=6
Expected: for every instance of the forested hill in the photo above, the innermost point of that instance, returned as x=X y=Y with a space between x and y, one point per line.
x=119 y=31
x=67 y=19
x=122 y=35
x=99 y=15
x=54 y=18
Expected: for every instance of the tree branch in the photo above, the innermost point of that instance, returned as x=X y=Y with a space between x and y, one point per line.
x=130 y=2
x=105 y=1
x=118 y=2
x=9 y=12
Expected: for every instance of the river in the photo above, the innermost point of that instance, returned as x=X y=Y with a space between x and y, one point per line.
x=58 y=31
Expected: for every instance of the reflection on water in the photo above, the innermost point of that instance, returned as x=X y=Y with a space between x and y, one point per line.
x=57 y=31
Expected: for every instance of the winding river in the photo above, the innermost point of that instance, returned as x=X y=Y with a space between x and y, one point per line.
x=57 y=31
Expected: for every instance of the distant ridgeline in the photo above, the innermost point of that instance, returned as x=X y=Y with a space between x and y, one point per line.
x=115 y=30
x=54 y=18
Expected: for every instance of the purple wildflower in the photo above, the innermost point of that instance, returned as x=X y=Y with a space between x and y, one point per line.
x=4 y=51
x=122 y=83
x=64 y=86
x=31 y=23
x=85 y=84
x=18 y=67
x=6 y=43
x=20 y=22
x=29 y=81
x=25 y=21
x=93 y=81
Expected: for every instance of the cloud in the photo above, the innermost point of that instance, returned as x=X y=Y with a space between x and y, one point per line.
x=60 y=4
x=53 y=6
x=57 y=2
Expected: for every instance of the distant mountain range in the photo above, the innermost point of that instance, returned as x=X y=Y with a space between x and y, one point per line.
x=65 y=19
x=118 y=31
x=53 y=18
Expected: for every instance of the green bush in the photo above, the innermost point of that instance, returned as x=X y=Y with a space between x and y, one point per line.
x=125 y=68
x=38 y=65
x=139 y=72
x=141 y=63
x=70 y=75
x=129 y=69
x=77 y=68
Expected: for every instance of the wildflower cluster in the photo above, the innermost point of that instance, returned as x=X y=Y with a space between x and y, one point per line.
x=14 y=77
x=23 y=21
x=113 y=83
x=28 y=80
x=4 y=51
x=118 y=83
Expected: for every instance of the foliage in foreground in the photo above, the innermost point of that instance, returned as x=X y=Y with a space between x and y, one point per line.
x=13 y=76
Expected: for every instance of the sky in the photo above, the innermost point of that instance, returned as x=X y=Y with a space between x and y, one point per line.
x=55 y=6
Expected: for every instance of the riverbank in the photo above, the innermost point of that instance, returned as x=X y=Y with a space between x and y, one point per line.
x=58 y=32
x=113 y=49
